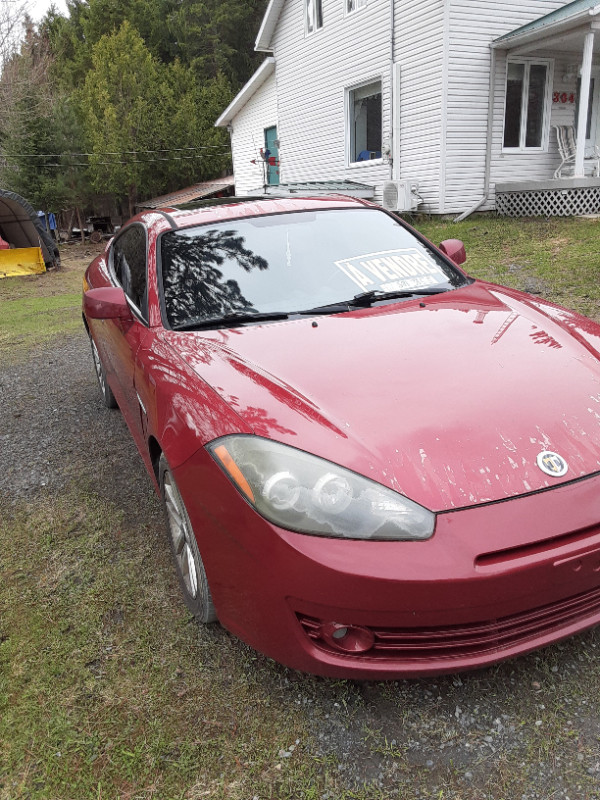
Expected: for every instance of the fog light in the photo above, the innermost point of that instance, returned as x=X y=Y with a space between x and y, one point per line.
x=347 y=638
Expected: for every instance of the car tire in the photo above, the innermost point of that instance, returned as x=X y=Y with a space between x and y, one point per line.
x=107 y=395
x=184 y=549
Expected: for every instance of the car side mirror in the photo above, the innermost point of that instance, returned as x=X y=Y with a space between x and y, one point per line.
x=106 y=303
x=455 y=250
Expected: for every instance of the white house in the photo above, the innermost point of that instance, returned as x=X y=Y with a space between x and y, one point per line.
x=449 y=104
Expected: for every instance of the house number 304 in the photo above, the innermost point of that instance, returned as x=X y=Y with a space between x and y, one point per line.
x=563 y=97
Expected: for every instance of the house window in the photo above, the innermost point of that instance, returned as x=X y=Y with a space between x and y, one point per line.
x=364 y=107
x=313 y=15
x=526 y=112
x=354 y=5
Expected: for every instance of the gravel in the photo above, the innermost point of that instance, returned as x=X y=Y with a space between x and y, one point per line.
x=55 y=430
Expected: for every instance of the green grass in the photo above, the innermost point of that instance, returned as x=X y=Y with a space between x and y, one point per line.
x=557 y=258
x=36 y=309
x=30 y=321
x=108 y=690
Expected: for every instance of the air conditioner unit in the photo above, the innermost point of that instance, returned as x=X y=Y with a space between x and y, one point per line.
x=401 y=196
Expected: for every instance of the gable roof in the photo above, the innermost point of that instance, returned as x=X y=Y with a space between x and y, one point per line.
x=568 y=16
x=267 y=28
x=266 y=69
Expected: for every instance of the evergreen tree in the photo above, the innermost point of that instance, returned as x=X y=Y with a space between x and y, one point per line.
x=137 y=84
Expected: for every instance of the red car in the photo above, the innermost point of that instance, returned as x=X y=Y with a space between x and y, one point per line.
x=373 y=466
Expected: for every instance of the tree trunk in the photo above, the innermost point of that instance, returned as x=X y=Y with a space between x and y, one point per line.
x=132 y=197
x=69 y=225
x=80 y=223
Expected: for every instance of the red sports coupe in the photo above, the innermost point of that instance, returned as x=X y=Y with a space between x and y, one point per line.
x=372 y=465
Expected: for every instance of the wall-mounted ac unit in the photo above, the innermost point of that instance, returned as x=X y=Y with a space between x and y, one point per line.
x=401 y=196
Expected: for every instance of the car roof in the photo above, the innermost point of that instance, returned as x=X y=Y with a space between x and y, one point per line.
x=239 y=207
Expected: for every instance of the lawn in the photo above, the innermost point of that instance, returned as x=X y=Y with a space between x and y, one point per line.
x=109 y=691
x=556 y=258
x=39 y=308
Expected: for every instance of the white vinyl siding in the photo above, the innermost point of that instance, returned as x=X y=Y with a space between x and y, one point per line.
x=248 y=138
x=314 y=74
x=419 y=51
x=473 y=26
x=442 y=55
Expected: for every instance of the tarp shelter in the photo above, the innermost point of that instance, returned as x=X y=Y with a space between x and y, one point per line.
x=21 y=228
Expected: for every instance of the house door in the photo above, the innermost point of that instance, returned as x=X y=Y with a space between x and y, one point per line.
x=272 y=159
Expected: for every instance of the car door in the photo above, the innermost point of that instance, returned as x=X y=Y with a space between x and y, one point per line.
x=128 y=262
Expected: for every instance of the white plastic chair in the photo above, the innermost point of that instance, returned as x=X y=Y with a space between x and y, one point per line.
x=566 y=141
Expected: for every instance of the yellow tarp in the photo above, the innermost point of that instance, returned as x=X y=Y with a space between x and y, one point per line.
x=21 y=261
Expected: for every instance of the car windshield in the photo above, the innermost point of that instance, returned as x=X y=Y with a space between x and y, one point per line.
x=292 y=263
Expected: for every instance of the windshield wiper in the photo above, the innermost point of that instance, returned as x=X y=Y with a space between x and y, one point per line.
x=330 y=308
x=249 y=317
x=230 y=320
x=365 y=298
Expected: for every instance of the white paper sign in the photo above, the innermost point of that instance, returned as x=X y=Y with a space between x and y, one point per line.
x=393 y=270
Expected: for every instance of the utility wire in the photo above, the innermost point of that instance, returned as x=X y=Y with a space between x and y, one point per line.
x=122 y=152
x=67 y=165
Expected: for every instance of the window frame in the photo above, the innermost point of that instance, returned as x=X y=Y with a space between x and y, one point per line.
x=138 y=312
x=361 y=5
x=547 y=104
x=319 y=8
x=348 y=108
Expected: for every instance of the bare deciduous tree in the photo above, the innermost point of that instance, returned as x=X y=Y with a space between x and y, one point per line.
x=12 y=15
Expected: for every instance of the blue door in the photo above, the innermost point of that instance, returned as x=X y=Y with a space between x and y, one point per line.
x=272 y=156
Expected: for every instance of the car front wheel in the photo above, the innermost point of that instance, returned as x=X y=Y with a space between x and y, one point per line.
x=184 y=549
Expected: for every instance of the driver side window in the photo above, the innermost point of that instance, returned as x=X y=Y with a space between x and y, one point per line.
x=129 y=259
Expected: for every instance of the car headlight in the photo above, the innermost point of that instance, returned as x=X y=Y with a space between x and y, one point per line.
x=304 y=493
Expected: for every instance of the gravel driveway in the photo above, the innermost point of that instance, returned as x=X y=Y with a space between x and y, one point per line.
x=522 y=730
x=55 y=429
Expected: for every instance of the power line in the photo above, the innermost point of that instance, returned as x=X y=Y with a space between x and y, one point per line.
x=122 y=152
x=67 y=165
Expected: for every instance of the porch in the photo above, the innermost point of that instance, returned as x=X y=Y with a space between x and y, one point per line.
x=558 y=197
x=552 y=84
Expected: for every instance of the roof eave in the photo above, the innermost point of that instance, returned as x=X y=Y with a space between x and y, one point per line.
x=265 y=70
x=267 y=28
x=509 y=41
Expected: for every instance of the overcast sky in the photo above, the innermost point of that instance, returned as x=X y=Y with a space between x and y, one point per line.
x=37 y=8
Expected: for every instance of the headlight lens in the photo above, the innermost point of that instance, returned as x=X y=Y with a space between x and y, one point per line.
x=301 y=492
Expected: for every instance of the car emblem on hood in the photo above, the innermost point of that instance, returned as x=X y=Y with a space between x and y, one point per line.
x=552 y=464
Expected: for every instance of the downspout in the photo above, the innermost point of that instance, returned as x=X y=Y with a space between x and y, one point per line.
x=488 y=144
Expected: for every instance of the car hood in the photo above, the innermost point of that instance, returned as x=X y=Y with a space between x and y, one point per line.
x=448 y=401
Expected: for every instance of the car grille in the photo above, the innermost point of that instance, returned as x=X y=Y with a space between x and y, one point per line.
x=459 y=641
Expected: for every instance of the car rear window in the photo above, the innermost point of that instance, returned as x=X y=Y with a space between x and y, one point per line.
x=292 y=262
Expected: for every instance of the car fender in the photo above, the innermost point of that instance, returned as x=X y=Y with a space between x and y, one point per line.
x=182 y=411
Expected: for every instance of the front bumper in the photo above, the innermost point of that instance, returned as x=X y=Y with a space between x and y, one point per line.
x=493 y=582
